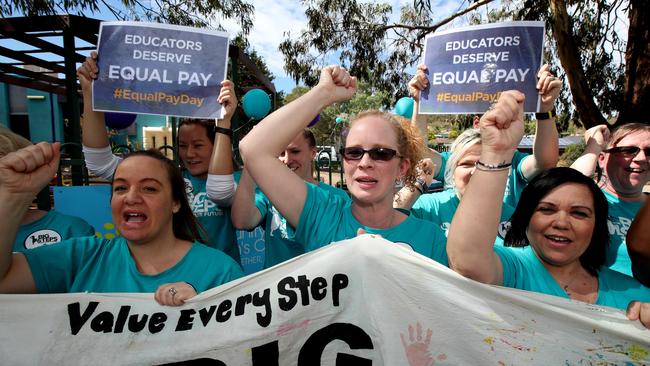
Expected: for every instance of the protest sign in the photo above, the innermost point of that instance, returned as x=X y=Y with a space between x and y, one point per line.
x=160 y=69
x=469 y=67
x=364 y=301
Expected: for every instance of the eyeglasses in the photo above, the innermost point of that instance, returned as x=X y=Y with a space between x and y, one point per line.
x=628 y=151
x=376 y=153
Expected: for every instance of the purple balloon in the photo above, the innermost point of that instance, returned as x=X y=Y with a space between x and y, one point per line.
x=314 y=121
x=119 y=121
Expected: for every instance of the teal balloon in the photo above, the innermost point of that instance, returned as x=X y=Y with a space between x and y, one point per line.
x=256 y=103
x=404 y=107
x=339 y=119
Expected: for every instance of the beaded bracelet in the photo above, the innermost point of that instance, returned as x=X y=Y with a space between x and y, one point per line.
x=492 y=168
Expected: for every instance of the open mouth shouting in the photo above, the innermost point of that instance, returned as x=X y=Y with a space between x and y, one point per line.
x=366 y=182
x=134 y=219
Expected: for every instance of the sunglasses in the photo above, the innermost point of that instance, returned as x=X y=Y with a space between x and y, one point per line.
x=376 y=153
x=628 y=151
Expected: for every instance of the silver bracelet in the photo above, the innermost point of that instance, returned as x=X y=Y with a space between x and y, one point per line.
x=492 y=168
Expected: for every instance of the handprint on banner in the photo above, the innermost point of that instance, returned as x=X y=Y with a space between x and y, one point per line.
x=417 y=349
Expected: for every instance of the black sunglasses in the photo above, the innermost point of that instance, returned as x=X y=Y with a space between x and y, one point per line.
x=628 y=151
x=376 y=153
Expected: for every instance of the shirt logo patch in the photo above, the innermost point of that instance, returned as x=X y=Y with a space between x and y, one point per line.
x=41 y=237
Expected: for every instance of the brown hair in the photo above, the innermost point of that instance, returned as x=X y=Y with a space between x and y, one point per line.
x=625 y=130
x=309 y=136
x=409 y=142
x=208 y=124
x=11 y=141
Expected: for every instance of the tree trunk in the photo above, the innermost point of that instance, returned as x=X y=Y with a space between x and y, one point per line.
x=583 y=99
x=636 y=97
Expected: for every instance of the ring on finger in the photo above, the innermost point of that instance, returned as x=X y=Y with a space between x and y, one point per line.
x=173 y=291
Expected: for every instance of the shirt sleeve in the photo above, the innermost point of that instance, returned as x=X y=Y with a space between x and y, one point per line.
x=101 y=161
x=54 y=267
x=444 y=156
x=319 y=219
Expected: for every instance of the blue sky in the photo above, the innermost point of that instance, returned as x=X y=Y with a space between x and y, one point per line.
x=273 y=19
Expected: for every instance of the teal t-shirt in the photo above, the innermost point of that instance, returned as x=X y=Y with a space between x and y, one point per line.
x=516 y=179
x=621 y=214
x=277 y=245
x=214 y=219
x=440 y=208
x=327 y=217
x=91 y=264
x=444 y=156
x=522 y=269
x=52 y=228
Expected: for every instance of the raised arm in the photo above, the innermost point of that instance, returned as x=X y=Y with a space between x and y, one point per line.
x=430 y=166
x=23 y=174
x=596 y=139
x=638 y=244
x=94 y=128
x=419 y=82
x=96 y=146
x=474 y=226
x=244 y=213
x=221 y=186
x=546 y=146
x=261 y=147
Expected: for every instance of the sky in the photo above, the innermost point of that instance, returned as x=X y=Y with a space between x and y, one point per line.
x=272 y=19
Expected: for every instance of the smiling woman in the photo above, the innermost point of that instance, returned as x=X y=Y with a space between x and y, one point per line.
x=561 y=221
x=379 y=151
x=157 y=250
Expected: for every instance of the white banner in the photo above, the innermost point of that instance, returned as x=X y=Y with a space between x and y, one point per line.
x=364 y=301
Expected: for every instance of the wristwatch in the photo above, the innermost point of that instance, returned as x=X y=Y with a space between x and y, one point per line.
x=541 y=116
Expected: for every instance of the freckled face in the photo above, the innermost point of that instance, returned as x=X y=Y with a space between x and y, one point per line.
x=372 y=181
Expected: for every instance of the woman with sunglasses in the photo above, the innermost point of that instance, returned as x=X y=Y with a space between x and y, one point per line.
x=560 y=222
x=379 y=151
x=202 y=145
x=622 y=163
x=251 y=208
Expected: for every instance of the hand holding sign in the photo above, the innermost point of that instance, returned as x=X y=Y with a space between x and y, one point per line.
x=158 y=69
x=549 y=88
x=228 y=99
x=468 y=67
x=418 y=82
